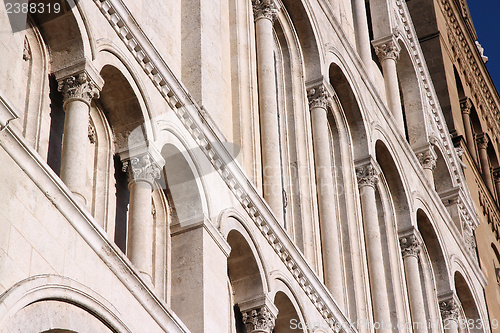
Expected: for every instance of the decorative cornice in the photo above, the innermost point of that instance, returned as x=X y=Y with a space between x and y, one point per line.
x=428 y=158
x=472 y=65
x=449 y=309
x=410 y=246
x=366 y=175
x=259 y=320
x=78 y=87
x=141 y=168
x=264 y=9
x=387 y=48
x=318 y=97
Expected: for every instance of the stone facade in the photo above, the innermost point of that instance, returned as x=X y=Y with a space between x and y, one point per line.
x=247 y=166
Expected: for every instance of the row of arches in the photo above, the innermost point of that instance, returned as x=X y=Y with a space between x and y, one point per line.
x=350 y=140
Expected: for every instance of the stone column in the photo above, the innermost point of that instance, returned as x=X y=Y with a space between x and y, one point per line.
x=367 y=181
x=78 y=92
x=265 y=13
x=410 y=248
x=449 y=314
x=466 y=106
x=482 y=145
x=142 y=172
x=428 y=159
x=332 y=264
x=362 y=35
x=259 y=320
x=387 y=51
x=496 y=177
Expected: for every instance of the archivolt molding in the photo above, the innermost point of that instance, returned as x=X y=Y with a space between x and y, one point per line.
x=197 y=122
x=54 y=287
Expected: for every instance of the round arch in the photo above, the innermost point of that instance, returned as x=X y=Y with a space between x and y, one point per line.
x=41 y=288
x=290 y=311
x=108 y=53
x=435 y=251
x=232 y=221
x=308 y=40
x=396 y=183
x=411 y=99
x=351 y=108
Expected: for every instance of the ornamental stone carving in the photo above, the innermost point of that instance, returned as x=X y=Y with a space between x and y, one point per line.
x=141 y=169
x=78 y=87
x=496 y=174
x=264 y=9
x=318 y=97
x=449 y=310
x=389 y=49
x=482 y=141
x=410 y=246
x=259 y=320
x=367 y=176
x=466 y=105
x=428 y=158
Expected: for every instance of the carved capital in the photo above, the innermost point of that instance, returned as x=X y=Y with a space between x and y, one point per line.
x=496 y=174
x=264 y=9
x=259 y=320
x=141 y=169
x=428 y=158
x=449 y=310
x=78 y=87
x=366 y=175
x=410 y=246
x=482 y=141
x=387 y=49
x=318 y=97
x=466 y=105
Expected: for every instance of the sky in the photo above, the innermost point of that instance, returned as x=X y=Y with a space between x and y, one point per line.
x=486 y=18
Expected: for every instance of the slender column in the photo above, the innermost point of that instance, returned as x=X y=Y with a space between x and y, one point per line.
x=142 y=173
x=466 y=106
x=367 y=181
x=449 y=313
x=78 y=92
x=388 y=53
x=362 y=35
x=332 y=265
x=259 y=320
x=410 y=248
x=428 y=159
x=265 y=13
x=496 y=177
x=482 y=144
